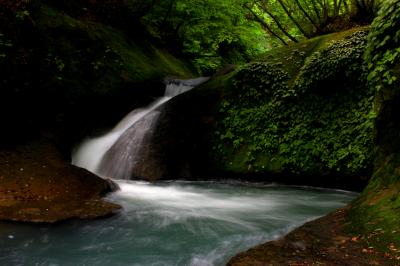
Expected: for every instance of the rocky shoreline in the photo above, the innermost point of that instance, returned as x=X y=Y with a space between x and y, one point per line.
x=324 y=241
x=39 y=185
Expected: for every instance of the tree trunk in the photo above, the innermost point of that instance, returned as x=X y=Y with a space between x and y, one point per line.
x=265 y=25
x=316 y=11
x=346 y=6
x=168 y=13
x=335 y=8
x=293 y=19
x=307 y=15
x=280 y=26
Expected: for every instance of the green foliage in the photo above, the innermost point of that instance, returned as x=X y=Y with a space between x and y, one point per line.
x=212 y=33
x=383 y=52
x=100 y=53
x=256 y=82
x=375 y=216
x=5 y=44
x=336 y=64
x=318 y=121
x=292 y=20
x=21 y=15
x=209 y=32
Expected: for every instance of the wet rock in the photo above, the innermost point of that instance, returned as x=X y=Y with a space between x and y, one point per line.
x=179 y=144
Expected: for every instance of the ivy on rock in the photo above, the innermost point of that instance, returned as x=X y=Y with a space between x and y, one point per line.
x=383 y=51
x=316 y=120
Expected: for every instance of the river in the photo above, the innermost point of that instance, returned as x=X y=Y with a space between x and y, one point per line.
x=171 y=223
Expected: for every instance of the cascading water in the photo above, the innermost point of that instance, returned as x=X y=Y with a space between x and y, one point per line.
x=164 y=223
x=118 y=153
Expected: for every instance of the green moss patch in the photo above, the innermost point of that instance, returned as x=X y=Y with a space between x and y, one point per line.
x=375 y=215
x=304 y=110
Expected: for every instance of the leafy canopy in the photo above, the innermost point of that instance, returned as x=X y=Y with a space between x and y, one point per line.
x=209 y=32
x=213 y=33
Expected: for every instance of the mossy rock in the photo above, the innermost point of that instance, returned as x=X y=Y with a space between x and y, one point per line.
x=299 y=112
x=375 y=215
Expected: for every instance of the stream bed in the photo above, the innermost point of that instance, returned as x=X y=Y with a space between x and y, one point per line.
x=171 y=223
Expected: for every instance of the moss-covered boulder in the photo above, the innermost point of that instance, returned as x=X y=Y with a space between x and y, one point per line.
x=300 y=115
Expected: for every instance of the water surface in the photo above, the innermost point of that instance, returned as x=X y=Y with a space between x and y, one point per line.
x=175 y=223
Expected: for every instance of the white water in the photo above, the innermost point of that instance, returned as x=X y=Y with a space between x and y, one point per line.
x=90 y=153
x=171 y=223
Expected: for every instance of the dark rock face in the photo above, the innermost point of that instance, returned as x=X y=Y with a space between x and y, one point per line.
x=176 y=143
x=134 y=155
x=181 y=139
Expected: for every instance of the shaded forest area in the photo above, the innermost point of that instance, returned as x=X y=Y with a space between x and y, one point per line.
x=81 y=53
x=306 y=104
x=212 y=33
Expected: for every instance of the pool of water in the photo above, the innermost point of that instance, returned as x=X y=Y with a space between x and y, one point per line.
x=171 y=223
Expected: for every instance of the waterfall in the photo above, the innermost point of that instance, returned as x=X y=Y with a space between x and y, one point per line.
x=119 y=152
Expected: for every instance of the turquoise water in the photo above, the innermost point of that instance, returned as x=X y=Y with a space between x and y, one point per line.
x=175 y=223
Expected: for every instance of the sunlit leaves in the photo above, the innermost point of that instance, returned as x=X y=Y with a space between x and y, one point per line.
x=209 y=32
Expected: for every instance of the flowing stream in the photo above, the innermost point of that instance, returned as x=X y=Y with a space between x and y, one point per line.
x=165 y=223
x=171 y=223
